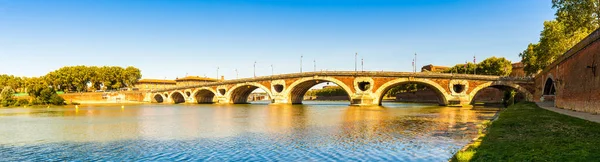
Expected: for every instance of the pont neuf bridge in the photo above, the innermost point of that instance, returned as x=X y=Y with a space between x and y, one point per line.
x=364 y=88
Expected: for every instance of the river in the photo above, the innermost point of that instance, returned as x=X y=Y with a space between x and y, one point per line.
x=314 y=131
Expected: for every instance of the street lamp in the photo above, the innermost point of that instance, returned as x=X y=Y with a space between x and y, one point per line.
x=415 y=62
x=355 y=61
x=362 y=64
x=301 y=56
x=236 y=74
x=217 y=73
x=255 y=69
x=315 y=64
x=272 y=70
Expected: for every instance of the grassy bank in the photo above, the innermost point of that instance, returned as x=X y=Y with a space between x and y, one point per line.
x=525 y=132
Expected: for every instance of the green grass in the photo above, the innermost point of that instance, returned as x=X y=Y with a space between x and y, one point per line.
x=525 y=132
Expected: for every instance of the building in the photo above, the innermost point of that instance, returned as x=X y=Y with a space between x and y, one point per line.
x=193 y=80
x=517 y=70
x=151 y=84
x=433 y=68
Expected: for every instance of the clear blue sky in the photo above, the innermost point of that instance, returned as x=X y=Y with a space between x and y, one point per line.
x=172 y=38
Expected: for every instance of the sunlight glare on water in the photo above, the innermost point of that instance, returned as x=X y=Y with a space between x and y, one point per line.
x=315 y=131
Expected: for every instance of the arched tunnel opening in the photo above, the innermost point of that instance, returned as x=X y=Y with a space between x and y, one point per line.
x=204 y=97
x=177 y=98
x=250 y=94
x=318 y=90
x=411 y=92
x=497 y=95
x=549 y=88
x=158 y=98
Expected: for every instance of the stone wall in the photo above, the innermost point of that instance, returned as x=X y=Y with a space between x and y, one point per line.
x=486 y=95
x=424 y=96
x=100 y=97
x=576 y=77
x=489 y=95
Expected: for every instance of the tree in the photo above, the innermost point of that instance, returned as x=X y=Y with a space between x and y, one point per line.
x=132 y=75
x=494 y=66
x=6 y=96
x=575 y=19
x=577 y=14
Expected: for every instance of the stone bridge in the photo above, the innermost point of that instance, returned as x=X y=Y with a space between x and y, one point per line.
x=363 y=88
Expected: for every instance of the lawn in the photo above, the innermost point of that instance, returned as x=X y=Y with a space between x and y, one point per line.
x=525 y=132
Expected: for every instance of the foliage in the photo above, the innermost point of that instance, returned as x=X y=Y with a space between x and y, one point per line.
x=47 y=95
x=490 y=66
x=525 y=132
x=328 y=91
x=76 y=79
x=575 y=19
x=409 y=87
x=462 y=69
x=21 y=102
x=494 y=66
x=7 y=93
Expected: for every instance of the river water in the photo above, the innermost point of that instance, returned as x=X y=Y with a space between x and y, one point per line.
x=315 y=131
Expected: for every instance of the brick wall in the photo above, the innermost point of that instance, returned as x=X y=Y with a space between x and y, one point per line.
x=577 y=86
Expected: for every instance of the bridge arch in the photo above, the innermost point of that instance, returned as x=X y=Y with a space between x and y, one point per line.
x=158 y=98
x=177 y=97
x=204 y=95
x=298 y=88
x=502 y=85
x=439 y=90
x=239 y=93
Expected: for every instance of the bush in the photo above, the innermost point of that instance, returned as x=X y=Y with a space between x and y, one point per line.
x=23 y=102
x=55 y=99
x=7 y=102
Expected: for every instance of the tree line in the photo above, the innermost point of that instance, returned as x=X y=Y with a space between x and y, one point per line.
x=490 y=66
x=42 y=90
x=575 y=19
x=77 y=79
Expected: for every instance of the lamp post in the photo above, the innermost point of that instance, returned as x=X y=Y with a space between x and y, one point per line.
x=301 y=56
x=355 y=61
x=415 y=62
x=315 y=64
x=255 y=69
x=272 y=70
x=236 y=74
x=362 y=64
x=217 y=73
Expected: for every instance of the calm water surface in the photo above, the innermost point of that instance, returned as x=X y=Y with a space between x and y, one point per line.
x=315 y=131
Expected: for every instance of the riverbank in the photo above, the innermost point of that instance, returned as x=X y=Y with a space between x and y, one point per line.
x=526 y=132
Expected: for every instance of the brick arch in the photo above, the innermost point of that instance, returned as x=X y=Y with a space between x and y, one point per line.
x=239 y=93
x=295 y=91
x=204 y=95
x=158 y=98
x=553 y=84
x=177 y=97
x=528 y=95
x=440 y=91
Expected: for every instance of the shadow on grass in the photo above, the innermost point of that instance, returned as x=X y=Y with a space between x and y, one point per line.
x=525 y=132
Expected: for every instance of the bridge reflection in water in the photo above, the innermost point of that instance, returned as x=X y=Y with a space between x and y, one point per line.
x=315 y=130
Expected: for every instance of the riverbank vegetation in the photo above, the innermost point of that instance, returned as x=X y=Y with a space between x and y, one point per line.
x=37 y=96
x=77 y=79
x=575 y=19
x=43 y=90
x=526 y=132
